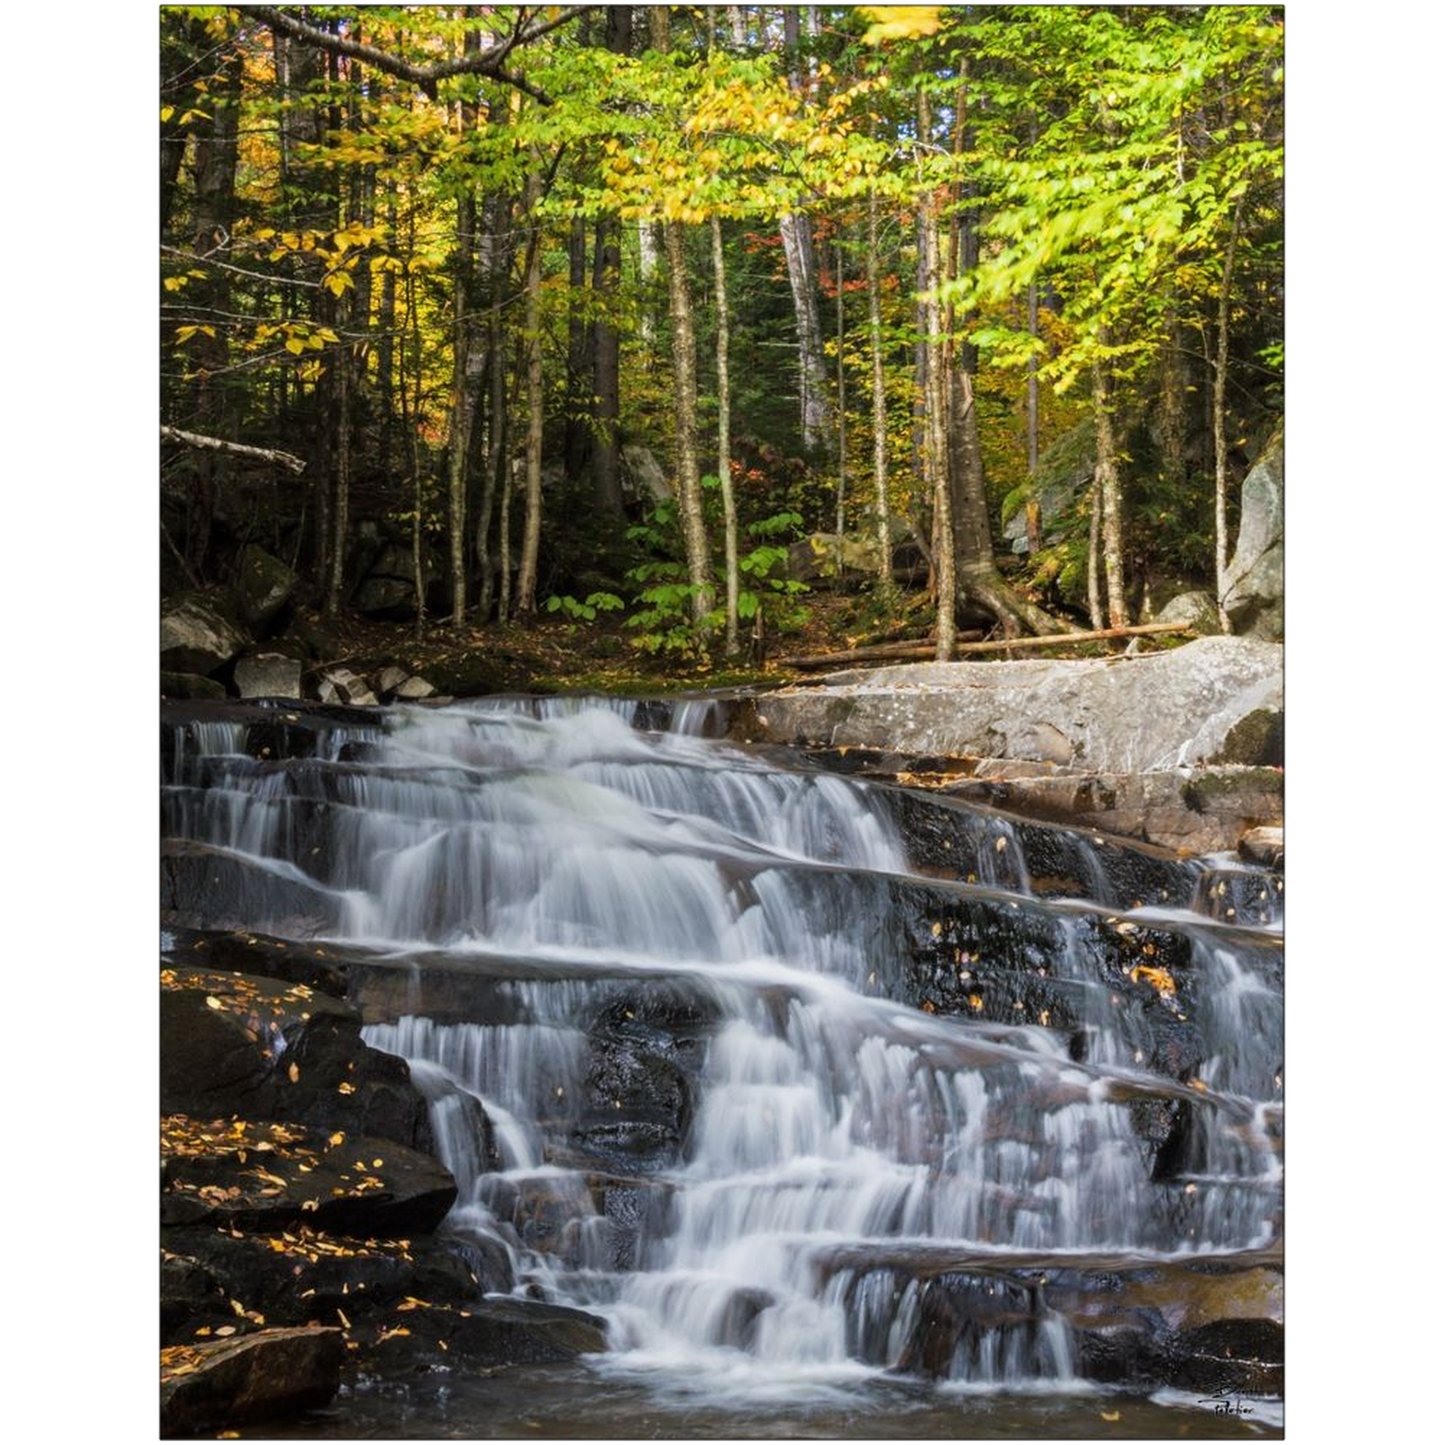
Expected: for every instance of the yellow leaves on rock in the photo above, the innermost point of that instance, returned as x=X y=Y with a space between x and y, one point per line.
x=293 y=1073
x=213 y=1002
x=900 y=22
x=1158 y=979
x=975 y=1003
x=345 y=1088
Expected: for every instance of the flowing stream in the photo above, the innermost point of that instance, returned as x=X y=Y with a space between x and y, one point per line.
x=795 y=1081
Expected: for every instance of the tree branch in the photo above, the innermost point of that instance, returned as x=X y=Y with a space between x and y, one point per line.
x=487 y=62
x=289 y=460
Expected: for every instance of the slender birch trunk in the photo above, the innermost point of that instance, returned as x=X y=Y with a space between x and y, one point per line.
x=724 y=439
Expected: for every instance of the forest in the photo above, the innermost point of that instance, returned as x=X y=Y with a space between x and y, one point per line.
x=694 y=337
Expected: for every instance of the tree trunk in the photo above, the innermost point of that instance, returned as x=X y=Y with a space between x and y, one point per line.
x=935 y=406
x=1096 y=515
x=532 y=522
x=606 y=274
x=341 y=516
x=214 y=161
x=796 y=230
x=1221 y=439
x=880 y=407
x=499 y=270
x=1106 y=472
x=842 y=411
x=724 y=439
x=684 y=372
x=1033 y=383
x=646 y=274
x=579 y=379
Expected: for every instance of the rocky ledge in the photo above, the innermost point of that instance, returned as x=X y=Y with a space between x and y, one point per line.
x=1183 y=748
x=300 y=1202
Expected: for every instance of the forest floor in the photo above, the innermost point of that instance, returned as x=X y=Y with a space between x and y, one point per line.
x=550 y=653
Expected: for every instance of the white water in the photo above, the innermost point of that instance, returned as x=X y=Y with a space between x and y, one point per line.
x=837 y=1133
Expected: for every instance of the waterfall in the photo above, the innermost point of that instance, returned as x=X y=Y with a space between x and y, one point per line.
x=739 y=1059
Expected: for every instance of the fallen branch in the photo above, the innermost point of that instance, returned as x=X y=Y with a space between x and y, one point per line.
x=881 y=652
x=1065 y=639
x=289 y=460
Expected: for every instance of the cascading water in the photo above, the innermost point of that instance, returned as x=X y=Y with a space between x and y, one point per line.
x=723 y=1058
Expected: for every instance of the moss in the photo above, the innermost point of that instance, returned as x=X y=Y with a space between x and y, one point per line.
x=1211 y=789
x=1257 y=739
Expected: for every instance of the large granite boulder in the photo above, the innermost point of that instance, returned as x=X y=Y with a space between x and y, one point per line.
x=268 y=674
x=264 y=585
x=1195 y=610
x=1117 y=714
x=197 y=636
x=1254 y=579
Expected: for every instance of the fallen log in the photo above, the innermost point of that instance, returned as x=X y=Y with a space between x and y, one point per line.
x=881 y=652
x=289 y=460
x=1064 y=639
x=967 y=642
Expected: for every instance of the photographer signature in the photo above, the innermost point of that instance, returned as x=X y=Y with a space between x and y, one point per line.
x=1226 y=1402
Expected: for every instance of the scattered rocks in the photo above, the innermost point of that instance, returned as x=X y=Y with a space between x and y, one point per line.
x=340 y=684
x=264 y=1376
x=197 y=636
x=413 y=689
x=268 y=674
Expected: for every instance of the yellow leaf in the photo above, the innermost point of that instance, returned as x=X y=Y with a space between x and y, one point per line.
x=212 y=1001
x=1110 y=1415
x=900 y=22
x=226 y=1330
x=337 y=1138
x=293 y=1073
x=345 y=1323
x=239 y=1308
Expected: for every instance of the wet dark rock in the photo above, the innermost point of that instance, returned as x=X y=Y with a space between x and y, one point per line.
x=210 y=888
x=637 y=1103
x=189 y=686
x=268 y=1376
x=320 y=966
x=360 y=1185
x=259 y=1049
x=486 y=1332
x=302 y=1275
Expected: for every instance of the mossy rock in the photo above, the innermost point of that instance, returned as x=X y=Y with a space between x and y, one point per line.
x=1218 y=788
x=1256 y=740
